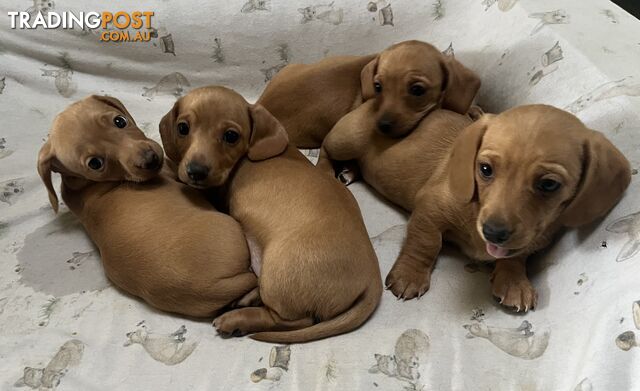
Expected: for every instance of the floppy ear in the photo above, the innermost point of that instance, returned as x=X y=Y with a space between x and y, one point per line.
x=45 y=157
x=461 y=86
x=606 y=173
x=167 y=132
x=366 y=79
x=268 y=136
x=462 y=163
x=113 y=102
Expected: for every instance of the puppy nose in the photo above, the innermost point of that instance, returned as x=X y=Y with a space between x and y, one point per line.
x=385 y=126
x=496 y=233
x=196 y=171
x=151 y=160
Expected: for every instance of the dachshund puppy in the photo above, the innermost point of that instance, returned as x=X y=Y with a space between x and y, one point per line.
x=318 y=273
x=159 y=240
x=408 y=81
x=499 y=188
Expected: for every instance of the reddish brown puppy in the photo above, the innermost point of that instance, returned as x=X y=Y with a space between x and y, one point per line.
x=408 y=80
x=499 y=188
x=319 y=275
x=159 y=239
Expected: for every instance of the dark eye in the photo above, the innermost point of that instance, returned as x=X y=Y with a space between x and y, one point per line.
x=230 y=136
x=183 y=128
x=95 y=163
x=486 y=171
x=377 y=87
x=548 y=185
x=120 y=121
x=417 y=90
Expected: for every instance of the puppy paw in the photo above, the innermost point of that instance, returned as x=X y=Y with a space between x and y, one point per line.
x=347 y=177
x=228 y=325
x=517 y=293
x=475 y=112
x=408 y=281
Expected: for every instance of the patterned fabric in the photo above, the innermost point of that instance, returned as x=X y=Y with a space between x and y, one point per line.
x=64 y=326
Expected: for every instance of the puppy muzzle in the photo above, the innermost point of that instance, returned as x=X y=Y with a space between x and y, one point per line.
x=150 y=160
x=196 y=172
x=146 y=163
x=496 y=235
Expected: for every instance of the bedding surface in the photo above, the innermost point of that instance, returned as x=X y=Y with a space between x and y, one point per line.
x=64 y=326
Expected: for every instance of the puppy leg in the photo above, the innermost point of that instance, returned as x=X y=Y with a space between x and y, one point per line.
x=475 y=112
x=250 y=320
x=251 y=299
x=239 y=289
x=511 y=285
x=410 y=276
x=324 y=163
x=347 y=172
x=347 y=140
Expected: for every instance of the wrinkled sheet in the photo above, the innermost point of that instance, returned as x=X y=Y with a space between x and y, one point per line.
x=64 y=326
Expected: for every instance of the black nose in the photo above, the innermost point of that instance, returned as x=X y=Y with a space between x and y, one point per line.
x=495 y=233
x=385 y=126
x=196 y=171
x=151 y=160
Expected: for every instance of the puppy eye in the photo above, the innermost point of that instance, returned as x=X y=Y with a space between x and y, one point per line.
x=95 y=163
x=548 y=185
x=486 y=171
x=183 y=128
x=417 y=90
x=230 y=136
x=119 y=121
x=377 y=87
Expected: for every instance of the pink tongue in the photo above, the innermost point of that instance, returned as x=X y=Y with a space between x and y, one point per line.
x=496 y=252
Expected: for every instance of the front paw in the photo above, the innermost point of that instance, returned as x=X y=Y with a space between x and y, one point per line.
x=408 y=280
x=228 y=325
x=515 y=292
x=347 y=176
x=475 y=112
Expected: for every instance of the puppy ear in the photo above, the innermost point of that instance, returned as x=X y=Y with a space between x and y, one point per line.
x=268 y=136
x=45 y=158
x=462 y=163
x=606 y=173
x=113 y=102
x=167 y=132
x=461 y=86
x=366 y=79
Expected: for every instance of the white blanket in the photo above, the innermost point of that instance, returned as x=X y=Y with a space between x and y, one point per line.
x=64 y=326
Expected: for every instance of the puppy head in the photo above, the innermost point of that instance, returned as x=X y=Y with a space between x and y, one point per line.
x=412 y=78
x=531 y=168
x=209 y=130
x=97 y=139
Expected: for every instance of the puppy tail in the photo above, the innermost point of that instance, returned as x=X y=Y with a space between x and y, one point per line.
x=347 y=321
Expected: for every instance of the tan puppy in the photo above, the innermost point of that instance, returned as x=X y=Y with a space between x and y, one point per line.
x=499 y=189
x=159 y=239
x=408 y=80
x=317 y=263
